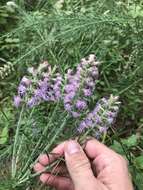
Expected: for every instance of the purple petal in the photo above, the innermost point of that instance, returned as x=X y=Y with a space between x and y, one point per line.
x=17 y=101
x=81 y=104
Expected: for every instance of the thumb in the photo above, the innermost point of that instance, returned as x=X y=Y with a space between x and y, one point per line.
x=78 y=166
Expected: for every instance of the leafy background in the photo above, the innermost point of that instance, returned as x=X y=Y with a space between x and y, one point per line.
x=63 y=32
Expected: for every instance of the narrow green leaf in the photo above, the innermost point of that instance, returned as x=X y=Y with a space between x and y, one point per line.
x=4 y=135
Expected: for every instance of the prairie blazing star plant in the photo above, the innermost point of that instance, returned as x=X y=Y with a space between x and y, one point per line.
x=54 y=107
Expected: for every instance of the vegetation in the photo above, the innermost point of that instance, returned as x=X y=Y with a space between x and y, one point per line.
x=63 y=32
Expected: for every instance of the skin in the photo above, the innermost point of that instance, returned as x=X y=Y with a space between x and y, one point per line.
x=95 y=168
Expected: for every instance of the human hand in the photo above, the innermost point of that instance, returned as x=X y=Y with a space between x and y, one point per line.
x=95 y=168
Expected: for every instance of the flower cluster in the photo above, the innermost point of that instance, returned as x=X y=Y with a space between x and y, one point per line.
x=102 y=116
x=22 y=88
x=45 y=86
x=80 y=85
x=49 y=89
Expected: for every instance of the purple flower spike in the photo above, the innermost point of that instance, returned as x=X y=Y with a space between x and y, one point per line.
x=103 y=115
x=81 y=83
x=17 y=101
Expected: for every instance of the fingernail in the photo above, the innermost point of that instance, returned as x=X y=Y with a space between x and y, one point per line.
x=73 y=147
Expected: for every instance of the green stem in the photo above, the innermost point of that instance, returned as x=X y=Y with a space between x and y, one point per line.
x=46 y=169
x=15 y=144
x=53 y=130
x=38 y=143
x=19 y=150
x=56 y=134
x=51 y=142
x=82 y=138
x=104 y=137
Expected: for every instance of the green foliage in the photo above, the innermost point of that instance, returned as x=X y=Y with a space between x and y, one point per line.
x=139 y=162
x=4 y=136
x=131 y=149
x=131 y=141
x=8 y=44
x=113 y=34
x=63 y=32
